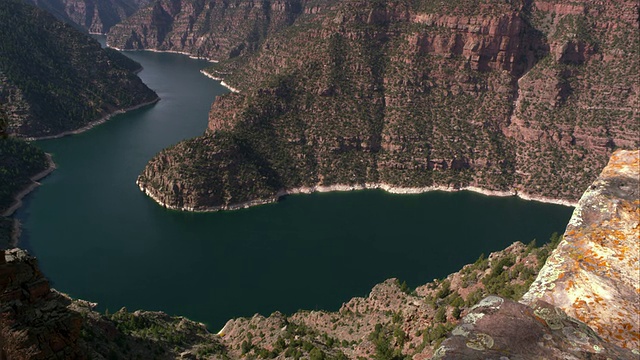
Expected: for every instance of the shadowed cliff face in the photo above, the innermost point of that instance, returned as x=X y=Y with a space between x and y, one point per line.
x=39 y=323
x=54 y=79
x=515 y=97
x=34 y=322
x=94 y=16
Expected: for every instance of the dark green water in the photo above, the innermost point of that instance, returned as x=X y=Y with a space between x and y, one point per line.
x=99 y=238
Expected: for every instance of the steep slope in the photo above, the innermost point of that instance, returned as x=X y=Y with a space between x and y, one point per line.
x=216 y=29
x=506 y=96
x=94 y=16
x=37 y=322
x=34 y=321
x=19 y=163
x=54 y=79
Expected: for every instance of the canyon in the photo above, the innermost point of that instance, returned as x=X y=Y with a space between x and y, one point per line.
x=448 y=318
x=92 y=16
x=527 y=98
x=510 y=97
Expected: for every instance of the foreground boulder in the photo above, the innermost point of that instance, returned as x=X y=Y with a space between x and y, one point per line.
x=497 y=328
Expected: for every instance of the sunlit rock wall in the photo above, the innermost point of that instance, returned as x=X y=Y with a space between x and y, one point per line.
x=594 y=274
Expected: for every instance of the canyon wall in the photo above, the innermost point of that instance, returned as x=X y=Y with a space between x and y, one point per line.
x=93 y=16
x=521 y=98
x=216 y=29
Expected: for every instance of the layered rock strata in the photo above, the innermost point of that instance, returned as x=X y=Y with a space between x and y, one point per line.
x=507 y=97
x=209 y=29
x=449 y=318
x=34 y=321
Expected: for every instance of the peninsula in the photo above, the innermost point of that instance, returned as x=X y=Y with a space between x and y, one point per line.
x=450 y=318
x=526 y=98
x=56 y=80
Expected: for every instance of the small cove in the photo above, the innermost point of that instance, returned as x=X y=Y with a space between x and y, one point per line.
x=98 y=238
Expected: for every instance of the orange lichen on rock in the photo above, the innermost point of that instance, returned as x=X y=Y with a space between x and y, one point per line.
x=597 y=262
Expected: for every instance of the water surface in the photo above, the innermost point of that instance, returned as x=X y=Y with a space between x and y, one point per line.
x=99 y=238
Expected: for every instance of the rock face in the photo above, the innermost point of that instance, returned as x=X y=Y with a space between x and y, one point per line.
x=585 y=302
x=34 y=321
x=38 y=323
x=497 y=329
x=594 y=274
x=54 y=79
x=94 y=16
x=508 y=96
x=391 y=319
x=217 y=29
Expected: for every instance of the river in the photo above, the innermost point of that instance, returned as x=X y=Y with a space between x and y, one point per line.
x=98 y=238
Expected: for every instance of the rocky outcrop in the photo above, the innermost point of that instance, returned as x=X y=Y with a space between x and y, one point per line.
x=93 y=16
x=497 y=328
x=594 y=274
x=508 y=97
x=585 y=302
x=54 y=79
x=392 y=318
x=37 y=322
x=34 y=321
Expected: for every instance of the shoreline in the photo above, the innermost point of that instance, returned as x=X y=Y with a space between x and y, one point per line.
x=191 y=56
x=94 y=123
x=368 y=186
x=17 y=199
x=232 y=89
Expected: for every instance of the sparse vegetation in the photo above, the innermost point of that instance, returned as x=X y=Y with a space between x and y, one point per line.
x=62 y=79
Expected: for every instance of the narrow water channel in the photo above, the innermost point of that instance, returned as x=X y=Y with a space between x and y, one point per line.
x=99 y=238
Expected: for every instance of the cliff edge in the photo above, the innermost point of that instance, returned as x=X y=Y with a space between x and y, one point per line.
x=594 y=274
x=585 y=302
